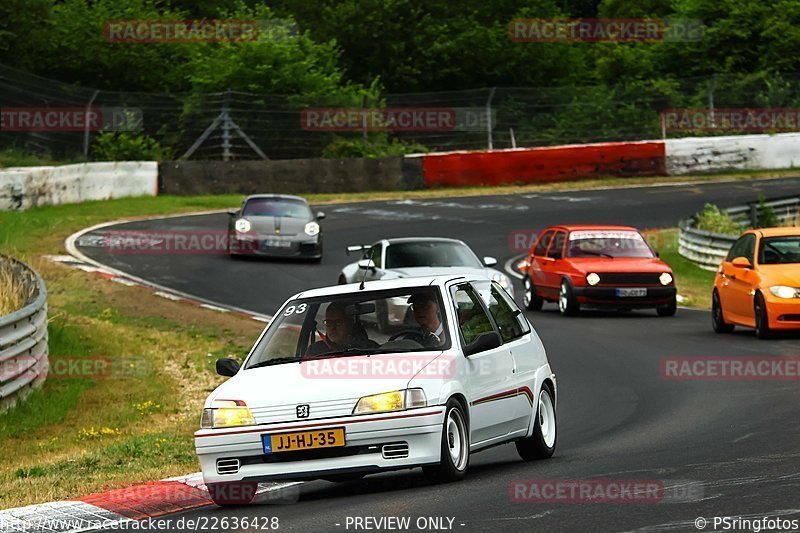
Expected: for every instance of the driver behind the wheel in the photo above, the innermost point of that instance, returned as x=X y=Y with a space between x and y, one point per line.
x=341 y=332
x=428 y=315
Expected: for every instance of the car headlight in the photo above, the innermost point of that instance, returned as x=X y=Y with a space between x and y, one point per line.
x=243 y=225
x=592 y=278
x=503 y=280
x=226 y=413
x=665 y=278
x=782 y=291
x=312 y=228
x=391 y=401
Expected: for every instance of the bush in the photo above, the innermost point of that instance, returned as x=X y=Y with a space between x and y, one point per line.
x=713 y=220
x=341 y=148
x=766 y=215
x=127 y=146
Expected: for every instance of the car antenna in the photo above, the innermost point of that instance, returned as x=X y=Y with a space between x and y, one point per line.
x=361 y=287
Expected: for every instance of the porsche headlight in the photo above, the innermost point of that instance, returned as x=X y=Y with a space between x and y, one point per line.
x=782 y=291
x=391 y=401
x=226 y=413
x=243 y=225
x=503 y=280
x=312 y=228
x=665 y=278
x=592 y=278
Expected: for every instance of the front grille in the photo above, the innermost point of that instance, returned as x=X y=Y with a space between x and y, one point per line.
x=789 y=318
x=629 y=278
x=227 y=466
x=396 y=450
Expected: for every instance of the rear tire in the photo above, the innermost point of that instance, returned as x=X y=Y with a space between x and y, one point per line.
x=455 y=445
x=762 y=319
x=531 y=300
x=717 y=317
x=567 y=303
x=542 y=443
x=232 y=493
x=669 y=309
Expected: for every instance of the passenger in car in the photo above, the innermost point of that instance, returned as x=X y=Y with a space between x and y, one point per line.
x=341 y=332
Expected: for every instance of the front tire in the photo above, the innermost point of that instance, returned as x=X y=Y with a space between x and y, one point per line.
x=762 y=319
x=531 y=300
x=717 y=317
x=668 y=309
x=454 y=447
x=542 y=443
x=567 y=303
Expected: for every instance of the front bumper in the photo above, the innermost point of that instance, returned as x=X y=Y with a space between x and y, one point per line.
x=365 y=436
x=783 y=313
x=605 y=296
x=294 y=246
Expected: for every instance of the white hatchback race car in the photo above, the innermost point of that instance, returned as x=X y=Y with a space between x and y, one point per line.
x=323 y=394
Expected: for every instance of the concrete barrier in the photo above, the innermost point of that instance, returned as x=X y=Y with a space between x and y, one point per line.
x=739 y=152
x=26 y=187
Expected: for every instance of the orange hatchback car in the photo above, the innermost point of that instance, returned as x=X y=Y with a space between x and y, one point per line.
x=758 y=283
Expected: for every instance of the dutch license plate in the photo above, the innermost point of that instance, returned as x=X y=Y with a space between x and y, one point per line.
x=305 y=440
x=626 y=293
x=275 y=243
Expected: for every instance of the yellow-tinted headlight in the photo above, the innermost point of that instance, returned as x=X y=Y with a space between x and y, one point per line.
x=226 y=413
x=391 y=401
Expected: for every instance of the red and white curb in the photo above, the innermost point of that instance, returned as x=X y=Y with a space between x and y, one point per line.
x=107 y=510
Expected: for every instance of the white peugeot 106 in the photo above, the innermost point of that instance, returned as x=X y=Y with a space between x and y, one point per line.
x=323 y=394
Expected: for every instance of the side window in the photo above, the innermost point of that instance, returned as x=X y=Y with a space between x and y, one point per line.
x=557 y=247
x=750 y=248
x=376 y=253
x=472 y=319
x=744 y=247
x=544 y=241
x=508 y=317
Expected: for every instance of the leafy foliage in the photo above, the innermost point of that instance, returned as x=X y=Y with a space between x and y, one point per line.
x=126 y=146
x=713 y=220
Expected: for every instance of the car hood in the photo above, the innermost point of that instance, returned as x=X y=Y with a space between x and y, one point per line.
x=622 y=264
x=442 y=271
x=319 y=382
x=274 y=226
x=781 y=275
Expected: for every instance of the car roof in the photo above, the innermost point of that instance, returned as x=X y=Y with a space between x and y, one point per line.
x=352 y=288
x=276 y=197
x=422 y=239
x=596 y=227
x=778 y=232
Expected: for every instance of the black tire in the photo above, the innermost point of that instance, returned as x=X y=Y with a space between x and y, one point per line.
x=536 y=446
x=762 y=319
x=450 y=469
x=717 y=317
x=567 y=303
x=531 y=300
x=668 y=309
x=232 y=493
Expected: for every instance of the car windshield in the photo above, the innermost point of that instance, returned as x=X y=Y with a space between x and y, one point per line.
x=272 y=207
x=608 y=244
x=397 y=321
x=779 y=250
x=430 y=254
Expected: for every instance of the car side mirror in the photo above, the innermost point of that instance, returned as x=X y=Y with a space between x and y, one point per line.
x=233 y=212
x=320 y=215
x=556 y=255
x=367 y=264
x=658 y=254
x=741 y=262
x=483 y=342
x=489 y=261
x=227 y=367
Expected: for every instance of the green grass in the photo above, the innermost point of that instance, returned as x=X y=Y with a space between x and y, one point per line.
x=12 y=157
x=694 y=283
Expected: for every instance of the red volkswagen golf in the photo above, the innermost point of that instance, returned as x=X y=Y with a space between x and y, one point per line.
x=597 y=266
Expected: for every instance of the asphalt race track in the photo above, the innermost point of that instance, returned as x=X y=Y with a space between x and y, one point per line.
x=735 y=444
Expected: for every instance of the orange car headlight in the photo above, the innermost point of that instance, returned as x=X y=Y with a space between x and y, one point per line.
x=782 y=291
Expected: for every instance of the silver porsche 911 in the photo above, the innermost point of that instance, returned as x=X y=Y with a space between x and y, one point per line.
x=275 y=225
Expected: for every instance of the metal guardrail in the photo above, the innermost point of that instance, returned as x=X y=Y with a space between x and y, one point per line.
x=707 y=249
x=23 y=338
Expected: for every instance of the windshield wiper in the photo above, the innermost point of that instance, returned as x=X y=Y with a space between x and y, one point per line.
x=592 y=252
x=275 y=361
x=348 y=351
